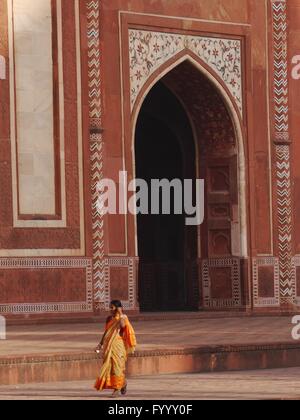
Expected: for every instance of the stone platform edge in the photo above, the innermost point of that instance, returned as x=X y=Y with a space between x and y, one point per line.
x=82 y=356
x=85 y=366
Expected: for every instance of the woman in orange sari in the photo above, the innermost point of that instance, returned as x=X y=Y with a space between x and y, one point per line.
x=117 y=343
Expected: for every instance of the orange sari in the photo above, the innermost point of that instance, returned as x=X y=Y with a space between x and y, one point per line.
x=118 y=344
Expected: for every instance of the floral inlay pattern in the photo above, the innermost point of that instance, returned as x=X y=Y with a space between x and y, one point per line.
x=149 y=50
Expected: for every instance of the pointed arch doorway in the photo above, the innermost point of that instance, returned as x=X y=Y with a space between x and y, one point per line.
x=165 y=149
x=185 y=130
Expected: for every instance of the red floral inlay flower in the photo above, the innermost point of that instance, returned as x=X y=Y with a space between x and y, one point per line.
x=138 y=75
x=215 y=52
x=156 y=47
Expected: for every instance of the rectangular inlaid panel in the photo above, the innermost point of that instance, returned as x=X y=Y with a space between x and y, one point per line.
x=44 y=285
x=34 y=60
x=36 y=286
x=221 y=283
x=266 y=286
x=62 y=233
x=266 y=280
x=119 y=283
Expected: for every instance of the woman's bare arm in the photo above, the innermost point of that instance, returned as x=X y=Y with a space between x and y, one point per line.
x=123 y=321
x=102 y=340
x=104 y=335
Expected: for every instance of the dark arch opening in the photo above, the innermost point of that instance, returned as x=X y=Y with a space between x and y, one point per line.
x=165 y=149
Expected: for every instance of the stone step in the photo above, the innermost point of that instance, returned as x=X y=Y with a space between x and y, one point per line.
x=77 y=366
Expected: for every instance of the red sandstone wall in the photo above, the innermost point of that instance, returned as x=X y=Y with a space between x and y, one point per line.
x=248 y=20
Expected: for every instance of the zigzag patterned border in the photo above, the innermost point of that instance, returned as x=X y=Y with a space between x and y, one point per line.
x=283 y=168
x=287 y=280
x=96 y=148
x=280 y=70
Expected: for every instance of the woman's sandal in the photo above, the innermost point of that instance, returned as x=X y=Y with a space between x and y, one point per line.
x=124 y=390
x=116 y=394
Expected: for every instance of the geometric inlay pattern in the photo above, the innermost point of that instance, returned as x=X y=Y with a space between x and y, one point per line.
x=258 y=301
x=234 y=265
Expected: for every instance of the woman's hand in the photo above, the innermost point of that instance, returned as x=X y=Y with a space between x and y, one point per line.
x=99 y=348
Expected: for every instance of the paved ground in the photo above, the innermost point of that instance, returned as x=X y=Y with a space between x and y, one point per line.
x=162 y=334
x=271 y=384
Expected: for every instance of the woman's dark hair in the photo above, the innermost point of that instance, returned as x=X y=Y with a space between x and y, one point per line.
x=116 y=303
